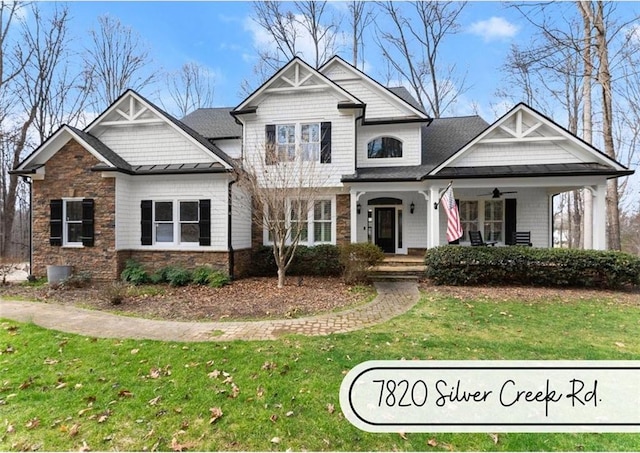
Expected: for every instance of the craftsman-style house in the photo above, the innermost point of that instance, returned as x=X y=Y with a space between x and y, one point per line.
x=138 y=183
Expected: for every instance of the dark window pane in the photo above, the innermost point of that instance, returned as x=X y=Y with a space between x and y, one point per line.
x=74 y=210
x=189 y=232
x=164 y=232
x=384 y=147
x=74 y=232
x=189 y=211
x=164 y=211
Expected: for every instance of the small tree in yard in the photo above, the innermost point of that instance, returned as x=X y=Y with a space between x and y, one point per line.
x=283 y=185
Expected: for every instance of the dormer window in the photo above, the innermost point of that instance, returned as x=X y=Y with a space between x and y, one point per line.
x=384 y=147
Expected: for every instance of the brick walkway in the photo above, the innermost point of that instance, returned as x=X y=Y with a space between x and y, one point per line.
x=394 y=298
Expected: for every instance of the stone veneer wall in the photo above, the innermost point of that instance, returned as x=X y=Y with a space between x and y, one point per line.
x=343 y=223
x=68 y=175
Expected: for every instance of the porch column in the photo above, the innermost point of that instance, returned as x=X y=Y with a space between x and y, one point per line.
x=600 y=217
x=353 y=217
x=587 y=219
x=433 y=219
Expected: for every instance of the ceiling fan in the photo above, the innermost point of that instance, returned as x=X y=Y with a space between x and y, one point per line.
x=496 y=193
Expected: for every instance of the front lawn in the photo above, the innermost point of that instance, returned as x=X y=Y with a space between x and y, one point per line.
x=67 y=392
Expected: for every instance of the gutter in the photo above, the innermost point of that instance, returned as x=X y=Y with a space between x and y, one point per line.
x=229 y=229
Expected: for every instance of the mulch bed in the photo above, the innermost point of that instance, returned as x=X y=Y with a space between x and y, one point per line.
x=251 y=298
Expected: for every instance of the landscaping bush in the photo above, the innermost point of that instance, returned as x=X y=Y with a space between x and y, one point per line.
x=455 y=265
x=206 y=275
x=178 y=276
x=356 y=259
x=134 y=273
x=80 y=279
x=320 y=260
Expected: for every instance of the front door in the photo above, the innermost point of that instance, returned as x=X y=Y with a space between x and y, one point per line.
x=385 y=236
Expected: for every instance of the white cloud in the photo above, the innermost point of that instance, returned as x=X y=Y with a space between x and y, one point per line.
x=494 y=28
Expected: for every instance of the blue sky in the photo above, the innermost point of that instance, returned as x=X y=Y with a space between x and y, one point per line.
x=220 y=35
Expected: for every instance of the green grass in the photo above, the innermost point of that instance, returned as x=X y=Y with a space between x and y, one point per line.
x=60 y=391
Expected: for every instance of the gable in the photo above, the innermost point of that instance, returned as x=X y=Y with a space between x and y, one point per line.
x=296 y=77
x=524 y=137
x=142 y=134
x=382 y=103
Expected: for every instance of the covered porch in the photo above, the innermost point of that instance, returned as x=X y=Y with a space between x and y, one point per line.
x=402 y=217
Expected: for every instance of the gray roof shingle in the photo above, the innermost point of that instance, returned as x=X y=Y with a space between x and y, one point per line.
x=213 y=123
x=103 y=149
x=406 y=96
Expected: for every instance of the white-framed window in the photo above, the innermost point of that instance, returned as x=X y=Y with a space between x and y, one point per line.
x=176 y=222
x=300 y=141
x=72 y=227
x=486 y=216
x=314 y=220
x=384 y=148
x=322 y=221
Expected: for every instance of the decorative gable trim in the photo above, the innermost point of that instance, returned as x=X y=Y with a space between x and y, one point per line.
x=500 y=132
x=142 y=111
x=298 y=82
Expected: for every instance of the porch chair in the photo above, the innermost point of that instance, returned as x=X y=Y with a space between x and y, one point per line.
x=476 y=239
x=522 y=238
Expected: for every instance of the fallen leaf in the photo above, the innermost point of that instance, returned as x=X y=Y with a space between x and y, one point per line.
x=33 y=423
x=85 y=447
x=260 y=391
x=403 y=436
x=11 y=428
x=104 y=416
x=214 y=374
x=275 y=440
x=273 y=418
x=84 y=411
x=620 y=344
x=331 y=408
x=135 y=351
x=154 y=373
x=216 y=413
x=61 y=385
x=73 y=431
x=235 y=391
x=48 y=361
x=289 y=414
x=432 y=443
x=26 y=384
x=494 y=438
x=154 y=401
x=125 y=393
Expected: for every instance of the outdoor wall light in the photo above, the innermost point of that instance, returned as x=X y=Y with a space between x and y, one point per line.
x=359 y=208
x=412 y=207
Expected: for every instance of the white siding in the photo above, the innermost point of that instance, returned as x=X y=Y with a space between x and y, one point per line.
x=241 y=214
x=304 y=107
x=131 y=190
x=378 y=105
x=408 y=134
x=489 y=154
x=231 y=147
x=149 y=144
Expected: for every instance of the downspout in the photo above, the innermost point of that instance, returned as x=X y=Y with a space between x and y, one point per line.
x=27 y=180
x=229 y=229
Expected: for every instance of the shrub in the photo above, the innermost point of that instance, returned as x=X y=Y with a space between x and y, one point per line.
x=356 y=259
x=206 y=275
x=114 y=292
x=455 y=265
x=76 y=280
x=320 y=260
x=134 y=273
x=178 y=276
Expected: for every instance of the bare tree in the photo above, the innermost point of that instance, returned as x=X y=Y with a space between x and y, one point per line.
x=413 y=48
x=360 y=17
x=284 y=194
x=115 y=60
x=298 y=29
x=191 y=87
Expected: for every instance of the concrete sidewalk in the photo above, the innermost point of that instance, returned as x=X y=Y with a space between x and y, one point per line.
x=394 y=298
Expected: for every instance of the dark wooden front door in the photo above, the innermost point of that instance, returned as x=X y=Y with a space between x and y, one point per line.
x=386 y=229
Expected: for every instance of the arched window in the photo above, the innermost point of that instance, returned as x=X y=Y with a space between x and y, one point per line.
x=383 y=147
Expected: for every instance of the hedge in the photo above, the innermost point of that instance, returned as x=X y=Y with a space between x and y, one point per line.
x=321 y=260
x=455 y=265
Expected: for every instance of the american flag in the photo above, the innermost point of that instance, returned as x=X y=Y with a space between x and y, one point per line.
x=454 y=228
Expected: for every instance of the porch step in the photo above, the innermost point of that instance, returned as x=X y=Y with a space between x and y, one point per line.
x=396 y=271
x=403 y=261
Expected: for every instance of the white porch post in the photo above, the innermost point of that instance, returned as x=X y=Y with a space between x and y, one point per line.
x=353 y=198
x=600 y=217
x=587 y=219
x=433 y=219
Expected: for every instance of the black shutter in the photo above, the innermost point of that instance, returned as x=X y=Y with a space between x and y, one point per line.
x=87 y=222
x=270 y=157
x=457 y=241
x=205 y=222
x=510 y=221
x=325 y=143
x=146 y=223
x=55 y=222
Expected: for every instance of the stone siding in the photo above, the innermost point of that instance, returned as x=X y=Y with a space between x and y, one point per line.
x=68 y=175
x=343 y=223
